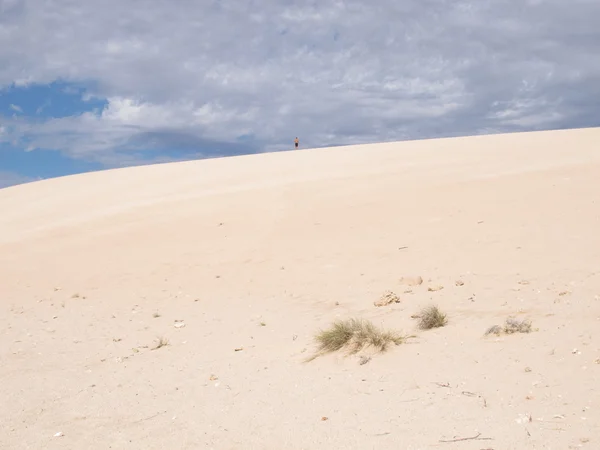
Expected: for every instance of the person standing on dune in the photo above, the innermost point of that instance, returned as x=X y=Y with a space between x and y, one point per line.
x=296 y=142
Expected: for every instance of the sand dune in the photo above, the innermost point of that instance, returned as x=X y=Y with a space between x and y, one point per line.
x=239 y=262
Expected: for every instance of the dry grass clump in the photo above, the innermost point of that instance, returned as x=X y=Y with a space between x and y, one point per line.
x=495 y=329
x=355 y=334
x=511 y=326
x=431 y=317
x=162 y=342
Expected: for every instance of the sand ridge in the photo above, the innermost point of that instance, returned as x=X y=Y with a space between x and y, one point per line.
x=239 y=262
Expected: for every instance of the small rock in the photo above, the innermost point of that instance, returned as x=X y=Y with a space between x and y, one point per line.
x=179 y=324
x=59 y=434
x=524 y=418
x=364 y=360
x=239 y=349
x=387 y=299
x=411 y=281
x=459 y=282
x=213 y=378
x=435 y=288
x=527 y=369
x=323 y=419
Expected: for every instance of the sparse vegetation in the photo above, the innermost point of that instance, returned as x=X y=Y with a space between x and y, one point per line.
x=431 y=317
x=496 y=329
x=355 y=334
x=162 y=342
x=511 y=326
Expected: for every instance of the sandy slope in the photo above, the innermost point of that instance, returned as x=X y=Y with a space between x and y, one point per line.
x=293 y=241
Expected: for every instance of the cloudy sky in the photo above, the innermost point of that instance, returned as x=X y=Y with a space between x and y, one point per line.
x=95 y=84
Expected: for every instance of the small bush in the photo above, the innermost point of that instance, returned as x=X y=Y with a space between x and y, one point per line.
x=496 y=329
x=355 y=334
x=432 y=317
x=511 y=326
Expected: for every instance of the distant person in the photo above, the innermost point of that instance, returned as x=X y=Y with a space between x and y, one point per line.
x=296 y=142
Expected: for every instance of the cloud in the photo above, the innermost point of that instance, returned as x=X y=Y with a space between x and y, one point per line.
x=16 y=108
x=10 y=179
x=247 y=76
x=43 y=106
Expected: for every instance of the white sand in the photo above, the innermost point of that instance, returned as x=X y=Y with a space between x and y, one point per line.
x=296 y=240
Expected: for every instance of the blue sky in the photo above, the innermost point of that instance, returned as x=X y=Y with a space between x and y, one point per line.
x=96 y=85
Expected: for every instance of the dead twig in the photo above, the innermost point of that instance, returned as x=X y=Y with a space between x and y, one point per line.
x=472 y=438
x=472 y=394
x=150 y=417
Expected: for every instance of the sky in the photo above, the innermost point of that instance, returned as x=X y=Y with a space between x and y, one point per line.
x=91 y=85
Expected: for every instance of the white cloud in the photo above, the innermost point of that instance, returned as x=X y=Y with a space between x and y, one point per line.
x=332 y=72
x=16 y=108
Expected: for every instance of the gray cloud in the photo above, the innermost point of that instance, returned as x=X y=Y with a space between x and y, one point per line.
x=10 y=179
x=331 y=72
